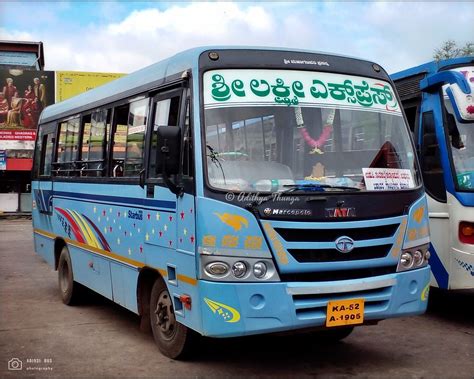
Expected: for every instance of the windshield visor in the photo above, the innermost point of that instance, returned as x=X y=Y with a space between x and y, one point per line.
x=267 y=130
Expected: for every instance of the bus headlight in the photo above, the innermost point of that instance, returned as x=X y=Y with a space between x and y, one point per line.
x=413 y=258
x=418 y=258
x=259 y=270
x=239 y=269
x=224 y=268
x=406 y=260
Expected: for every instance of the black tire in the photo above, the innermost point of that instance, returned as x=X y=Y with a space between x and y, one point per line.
x=173 y=339
x=69 y=289
x=335 y=335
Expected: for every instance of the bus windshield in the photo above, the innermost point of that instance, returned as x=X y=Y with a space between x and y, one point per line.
x=332 y=131
x=461 y=137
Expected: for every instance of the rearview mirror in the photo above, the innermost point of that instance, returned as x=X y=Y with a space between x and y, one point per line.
x=169 y=149
x=463 y=103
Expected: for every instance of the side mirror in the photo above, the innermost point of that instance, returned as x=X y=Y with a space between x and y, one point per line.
x=169 y=148
x=169 y=152
x=463 y=103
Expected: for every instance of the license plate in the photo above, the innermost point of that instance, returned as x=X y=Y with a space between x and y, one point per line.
x=345 y=312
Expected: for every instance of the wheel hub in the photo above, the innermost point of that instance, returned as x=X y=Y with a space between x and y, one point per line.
x=165 y=319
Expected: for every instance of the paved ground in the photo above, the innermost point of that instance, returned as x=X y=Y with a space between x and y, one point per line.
x=99 y=338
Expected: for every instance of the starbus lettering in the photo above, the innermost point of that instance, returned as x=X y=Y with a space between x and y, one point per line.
x=136 y=215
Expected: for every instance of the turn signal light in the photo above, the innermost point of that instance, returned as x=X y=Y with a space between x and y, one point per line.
x=186 y=301
x=466 y=232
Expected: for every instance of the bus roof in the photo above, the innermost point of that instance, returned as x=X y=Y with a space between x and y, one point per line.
x=431 y=67
x=145 y=79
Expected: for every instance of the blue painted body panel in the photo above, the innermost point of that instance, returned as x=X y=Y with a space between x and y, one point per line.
x=277 y=310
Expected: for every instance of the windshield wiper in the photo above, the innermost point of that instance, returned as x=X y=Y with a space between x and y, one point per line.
x=316 y=187
x=214 y=155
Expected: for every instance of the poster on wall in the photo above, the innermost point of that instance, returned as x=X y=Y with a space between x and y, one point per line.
x=72 y=83
x=23 y=95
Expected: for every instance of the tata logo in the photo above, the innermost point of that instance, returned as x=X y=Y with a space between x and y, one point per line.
x=344 y=244
x=340 y=212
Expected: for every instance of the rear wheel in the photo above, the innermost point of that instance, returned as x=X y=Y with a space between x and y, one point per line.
x=172 y=338
x=68 y=288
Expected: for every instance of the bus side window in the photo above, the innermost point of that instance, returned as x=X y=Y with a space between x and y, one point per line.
x=47 y=154
x=166 y=113
x=44 y=151
x=94 y=143
x=68 y=148
x=39 y=152
x=119 y=140
x=129 y=138
x=431 y=160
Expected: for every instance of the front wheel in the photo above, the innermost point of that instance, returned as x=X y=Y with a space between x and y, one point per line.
x=172 y=338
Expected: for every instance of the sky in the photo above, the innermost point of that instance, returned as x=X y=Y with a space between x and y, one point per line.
x=114 y=36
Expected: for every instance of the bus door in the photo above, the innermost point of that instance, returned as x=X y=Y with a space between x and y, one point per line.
x=432 y=146
x=173 y=226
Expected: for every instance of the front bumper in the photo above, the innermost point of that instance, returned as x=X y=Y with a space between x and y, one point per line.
x=236 y=309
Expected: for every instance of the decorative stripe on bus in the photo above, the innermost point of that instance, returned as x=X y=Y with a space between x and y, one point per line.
x=439 y=271
x=119 y=258
x=166 y=204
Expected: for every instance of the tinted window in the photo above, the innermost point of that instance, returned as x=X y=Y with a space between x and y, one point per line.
x=431 y=160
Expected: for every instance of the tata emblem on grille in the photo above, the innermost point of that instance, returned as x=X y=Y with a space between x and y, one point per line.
x=344 y=244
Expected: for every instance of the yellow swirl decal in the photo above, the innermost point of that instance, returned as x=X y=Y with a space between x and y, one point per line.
x=234 y=221
x=425 y=292
x=229 y=314
x=418 y=214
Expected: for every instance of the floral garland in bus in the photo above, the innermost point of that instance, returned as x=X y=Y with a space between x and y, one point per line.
x=315 y=143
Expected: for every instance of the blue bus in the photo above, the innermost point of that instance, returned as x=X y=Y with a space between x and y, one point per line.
x=438 y=99
x=234 y=191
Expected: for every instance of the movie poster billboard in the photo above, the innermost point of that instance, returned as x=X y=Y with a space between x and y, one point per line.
x=72 y=83
x=23 y=95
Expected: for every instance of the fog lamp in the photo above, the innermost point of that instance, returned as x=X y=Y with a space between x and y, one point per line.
x=217 y=268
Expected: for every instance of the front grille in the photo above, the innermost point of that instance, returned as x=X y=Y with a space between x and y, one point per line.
x=326 y=276
x=314 y=306
x=333 y=255
x=329 y=235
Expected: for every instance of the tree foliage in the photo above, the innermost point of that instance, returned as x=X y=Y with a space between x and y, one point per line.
x=450 y=49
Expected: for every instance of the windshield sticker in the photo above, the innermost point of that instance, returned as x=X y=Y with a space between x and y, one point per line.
x=387 y=179
x=293 y=88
